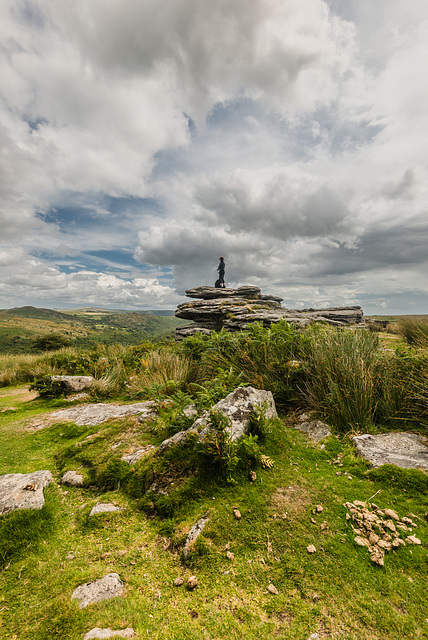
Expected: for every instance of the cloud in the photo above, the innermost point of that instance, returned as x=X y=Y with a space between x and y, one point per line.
x=41 y=283
x=287 y=136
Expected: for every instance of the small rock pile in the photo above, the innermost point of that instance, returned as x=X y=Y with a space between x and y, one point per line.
x=379 y=529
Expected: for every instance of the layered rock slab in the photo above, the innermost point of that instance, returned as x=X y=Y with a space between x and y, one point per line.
x=23 y=490
x=94 y=414
x=235 y=309
x=406 y=450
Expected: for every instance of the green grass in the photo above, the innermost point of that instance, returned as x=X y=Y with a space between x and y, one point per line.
x=336 y=592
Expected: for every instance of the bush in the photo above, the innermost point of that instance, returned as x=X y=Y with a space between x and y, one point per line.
x=50 y=342
x=263 y=358
x=49 y=387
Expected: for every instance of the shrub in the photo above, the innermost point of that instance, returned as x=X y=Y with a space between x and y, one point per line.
x=263 y=358
x=50 y=342
x=49 y=387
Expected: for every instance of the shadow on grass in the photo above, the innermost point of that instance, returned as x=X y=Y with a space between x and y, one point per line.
x=21 y=531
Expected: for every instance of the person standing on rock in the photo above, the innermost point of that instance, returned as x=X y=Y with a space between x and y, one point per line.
x=221 y=269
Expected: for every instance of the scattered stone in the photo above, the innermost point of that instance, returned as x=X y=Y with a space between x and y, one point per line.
x=96 y=632
x=230 y=555
x=373 y=538
x=319 y=508
x=311 y=549
x=314 y=429
x=377 y=557
x=361 y=542
x=78 y=397
x=391 y=514
x=105 y=588
x=192 y=583
x=237 y=407
x=314 y=636
x=105 y=507
x=94 y=414
x=237 y=513
x=23 y=490
x=178 y=581
x=194 y=533
x=70 y=556
x=384 y=544
x=72 y=479
x=375 y=532
x=405 y=450
x=132 y=458
x=272 y=589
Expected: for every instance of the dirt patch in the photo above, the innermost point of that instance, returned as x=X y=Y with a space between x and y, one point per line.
x=291 y=499
x=24 y=394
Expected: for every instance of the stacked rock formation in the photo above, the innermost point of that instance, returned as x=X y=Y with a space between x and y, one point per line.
x=235 y=309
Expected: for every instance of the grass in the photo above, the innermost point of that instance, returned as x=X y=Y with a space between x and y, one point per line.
x=336 y=592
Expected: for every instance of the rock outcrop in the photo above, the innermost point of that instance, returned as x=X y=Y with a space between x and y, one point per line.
x=406 y=450
x=237 y=407
x=235 y=309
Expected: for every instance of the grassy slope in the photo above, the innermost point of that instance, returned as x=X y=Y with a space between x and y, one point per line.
x=336 y=592
x=19 y=326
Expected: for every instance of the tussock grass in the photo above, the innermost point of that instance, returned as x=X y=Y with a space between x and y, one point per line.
x=414 y=330
x=343 y=377
x=161 y=372
x=19 y=369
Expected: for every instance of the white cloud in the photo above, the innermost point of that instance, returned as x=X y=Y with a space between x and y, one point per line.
x=304 y=161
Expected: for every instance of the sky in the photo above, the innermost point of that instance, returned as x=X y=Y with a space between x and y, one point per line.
x=141 y=140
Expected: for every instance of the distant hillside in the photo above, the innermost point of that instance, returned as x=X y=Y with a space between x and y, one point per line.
x=82 y=327
x=34 y=312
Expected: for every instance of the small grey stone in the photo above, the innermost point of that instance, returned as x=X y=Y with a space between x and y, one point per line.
x=132 y=458
x=194 y=533
x=109 y=633
x=104 y=507
x=72 y=478
x=314 y=429
x=105 y=588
